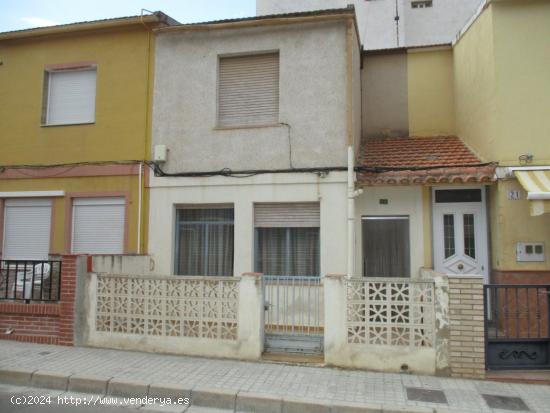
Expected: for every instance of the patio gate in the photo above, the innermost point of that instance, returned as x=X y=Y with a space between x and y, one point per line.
x=517 y=331
x=293 y=314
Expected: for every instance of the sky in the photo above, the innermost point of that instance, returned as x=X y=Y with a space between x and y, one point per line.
x=25 y=14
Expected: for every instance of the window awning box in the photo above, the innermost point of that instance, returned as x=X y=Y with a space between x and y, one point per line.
x=537 y=185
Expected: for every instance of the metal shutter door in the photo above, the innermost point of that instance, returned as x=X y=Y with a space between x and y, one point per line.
x=27 y=224
x=71 y=97
x=98 y=225
x=248 y=90
x=287 y=215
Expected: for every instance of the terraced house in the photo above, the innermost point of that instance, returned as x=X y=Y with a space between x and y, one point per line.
x=382 y=208
x=75 y=113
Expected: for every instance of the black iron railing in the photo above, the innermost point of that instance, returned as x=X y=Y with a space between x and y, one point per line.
x=517 y=326
x=29 y=280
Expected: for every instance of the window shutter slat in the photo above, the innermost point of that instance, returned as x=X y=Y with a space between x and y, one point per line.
x=287 y=215
x=98 y=225
x=248 y=90
x=27 y=229
x=71 y=97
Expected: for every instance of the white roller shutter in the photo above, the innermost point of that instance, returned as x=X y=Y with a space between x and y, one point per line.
x=98 y=225
x=27 y=224
x=287 y=215
x=71 y=97
x=248 y=90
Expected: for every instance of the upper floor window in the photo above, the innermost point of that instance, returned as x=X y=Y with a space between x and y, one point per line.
x=248 y=90
x=69 y=96
x=421 y=4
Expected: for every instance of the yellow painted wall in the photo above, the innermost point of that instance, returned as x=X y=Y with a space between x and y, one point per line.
x=119 y=132
x=475 y=87
x=522 y=58
x=81 y=184
x=511 y=223
x=430 y=92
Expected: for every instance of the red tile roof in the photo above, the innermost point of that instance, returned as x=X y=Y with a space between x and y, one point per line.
x=420 y=160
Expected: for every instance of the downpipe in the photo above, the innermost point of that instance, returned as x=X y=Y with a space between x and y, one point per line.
x=352 y=194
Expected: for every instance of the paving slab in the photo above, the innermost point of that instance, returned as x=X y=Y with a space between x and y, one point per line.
x=231 y=384
x=50 y=380
x=88 y=384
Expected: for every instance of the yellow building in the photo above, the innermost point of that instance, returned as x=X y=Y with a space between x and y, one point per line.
x=490 y=92
x=75 y=134
x=502 y=96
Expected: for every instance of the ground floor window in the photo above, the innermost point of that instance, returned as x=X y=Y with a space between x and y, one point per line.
x=287 y=251
x=27 y=229
x=98 y=225
x=204 y=241
x=287 y=239
x=386 y=249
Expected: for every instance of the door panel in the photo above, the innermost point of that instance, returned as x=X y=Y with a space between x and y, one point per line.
x=460 y=239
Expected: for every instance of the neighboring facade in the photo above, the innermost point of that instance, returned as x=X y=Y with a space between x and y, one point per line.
x=260 y=142
x=387 y=24
x=502 y=94
x=75 y=133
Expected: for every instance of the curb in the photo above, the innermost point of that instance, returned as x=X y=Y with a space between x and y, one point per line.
x=240 y=401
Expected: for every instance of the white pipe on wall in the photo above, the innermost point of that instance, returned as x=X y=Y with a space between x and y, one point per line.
x=352 y=194
x=139 y=209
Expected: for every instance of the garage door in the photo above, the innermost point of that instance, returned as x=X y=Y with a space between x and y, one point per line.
x=98 y=225
x=27 y=229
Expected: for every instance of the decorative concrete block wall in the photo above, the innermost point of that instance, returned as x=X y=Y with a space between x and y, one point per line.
x=203 y=316
x=467 y=339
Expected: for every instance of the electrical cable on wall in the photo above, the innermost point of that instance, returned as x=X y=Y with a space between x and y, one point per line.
x=228 y=172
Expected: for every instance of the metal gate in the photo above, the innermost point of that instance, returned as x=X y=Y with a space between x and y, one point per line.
x=293 y=314
x=517 y=331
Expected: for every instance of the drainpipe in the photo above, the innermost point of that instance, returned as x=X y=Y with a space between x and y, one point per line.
x=351 y=192
x=140 y=201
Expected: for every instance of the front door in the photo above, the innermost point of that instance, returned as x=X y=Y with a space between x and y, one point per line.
x=460 y=231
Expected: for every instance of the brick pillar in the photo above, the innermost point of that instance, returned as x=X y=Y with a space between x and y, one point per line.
x=67 y=299
x=467 y=343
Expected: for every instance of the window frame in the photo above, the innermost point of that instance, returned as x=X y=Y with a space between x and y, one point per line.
x=408 y=256
x=288 y=250
x=218 y=124
x=46 y=92
x=176 y=234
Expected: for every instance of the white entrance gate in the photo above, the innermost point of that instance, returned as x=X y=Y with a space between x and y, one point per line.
x=460 y=231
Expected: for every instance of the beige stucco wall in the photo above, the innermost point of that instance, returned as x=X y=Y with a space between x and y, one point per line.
x=313 y=66
x=385 y=95
x=511 y=223
x=242 y=193
x=402 y=200
x=430 y=92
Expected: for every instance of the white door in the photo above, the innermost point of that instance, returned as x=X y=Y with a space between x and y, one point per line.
x=460 y=231
x=27 y=224
x=98 y=225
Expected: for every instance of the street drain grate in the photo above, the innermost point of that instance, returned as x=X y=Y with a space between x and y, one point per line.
x=426 y=395
x=505 y=402
x=44 y=353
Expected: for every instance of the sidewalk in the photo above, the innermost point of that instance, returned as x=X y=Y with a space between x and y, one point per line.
x=260 y=387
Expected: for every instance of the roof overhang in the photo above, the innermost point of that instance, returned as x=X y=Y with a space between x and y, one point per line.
x=155 y=18
x=479 y=174
x=268 y=20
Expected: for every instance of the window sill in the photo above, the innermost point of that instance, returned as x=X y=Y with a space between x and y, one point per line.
x=49 y=125
x=268 y=125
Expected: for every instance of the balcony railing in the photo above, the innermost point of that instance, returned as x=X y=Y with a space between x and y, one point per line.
x=28 y=280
